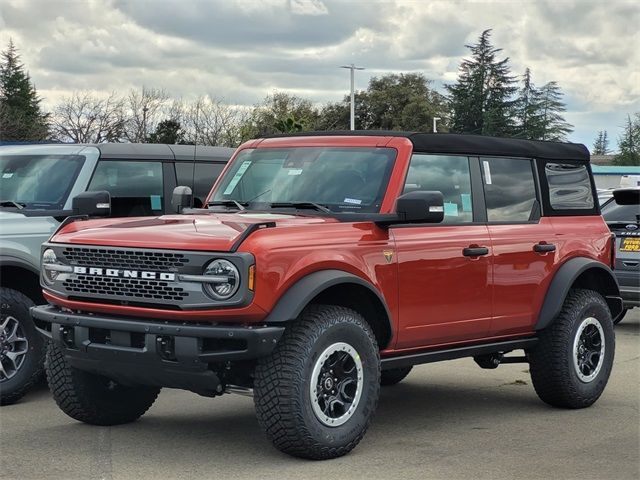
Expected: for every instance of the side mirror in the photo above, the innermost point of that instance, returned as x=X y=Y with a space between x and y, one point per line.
x=92 y=204
x=420 y=207
x=181 y=198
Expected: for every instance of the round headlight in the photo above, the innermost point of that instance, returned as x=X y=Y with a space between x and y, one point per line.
x=49 y=258
x=226 y=281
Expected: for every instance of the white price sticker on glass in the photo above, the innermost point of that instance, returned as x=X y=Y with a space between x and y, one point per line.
x=487 y=172
x=236 y=178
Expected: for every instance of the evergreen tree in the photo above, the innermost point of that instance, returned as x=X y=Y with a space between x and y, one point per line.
x=629 y=143
x=601 y=145
x=527 y=109
x=21 y=117
x=555 y=127
x=481 y=99
x=168 y=131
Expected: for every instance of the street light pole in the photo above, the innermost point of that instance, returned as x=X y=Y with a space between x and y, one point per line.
x=435 y=120
x=353 y=68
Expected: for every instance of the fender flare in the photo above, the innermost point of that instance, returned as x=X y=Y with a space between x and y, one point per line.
x=298 y=296
x=11 y=261
x=564 y=279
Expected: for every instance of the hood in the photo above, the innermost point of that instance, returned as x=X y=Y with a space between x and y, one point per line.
x=209 y=232
x=16 y=224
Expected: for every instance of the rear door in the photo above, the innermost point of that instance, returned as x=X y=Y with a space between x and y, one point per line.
x=523 y=243
x=444 y=269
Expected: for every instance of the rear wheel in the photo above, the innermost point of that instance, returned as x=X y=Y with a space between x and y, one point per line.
x=393 y=376
x=92 y=398
x=21 y=347
x=316 y=393
x=572 y=362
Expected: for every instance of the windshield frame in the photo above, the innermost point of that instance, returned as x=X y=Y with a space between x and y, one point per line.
x=218 y=192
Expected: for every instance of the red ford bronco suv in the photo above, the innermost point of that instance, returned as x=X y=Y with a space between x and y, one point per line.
x=325 y=265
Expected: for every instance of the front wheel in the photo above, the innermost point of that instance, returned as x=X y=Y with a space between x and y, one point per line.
x=316 y=393
x=21 y=347
x=92 y=398
x=572 y=362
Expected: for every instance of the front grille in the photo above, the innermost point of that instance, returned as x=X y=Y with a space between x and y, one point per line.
x=129 y=259
x=125 y=288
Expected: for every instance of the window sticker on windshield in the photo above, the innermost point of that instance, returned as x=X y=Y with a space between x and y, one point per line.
x=7 y=175
x=156 y=202
x=466 y=202
x=487 y=172
x=295 y=171
x=450 y=209
x=353 y=201
x=236 y=178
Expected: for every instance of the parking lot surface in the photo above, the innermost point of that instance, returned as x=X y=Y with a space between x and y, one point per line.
x=448 y=420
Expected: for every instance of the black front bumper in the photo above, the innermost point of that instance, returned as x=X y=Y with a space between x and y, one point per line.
x=158 y=353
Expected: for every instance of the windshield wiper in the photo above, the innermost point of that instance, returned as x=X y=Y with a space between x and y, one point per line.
x=313 y=205
x=227 y=203
x=11 y=203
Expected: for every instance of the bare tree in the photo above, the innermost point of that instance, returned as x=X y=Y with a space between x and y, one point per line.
x=209 y=121
x=86 y=118
x=145 y=109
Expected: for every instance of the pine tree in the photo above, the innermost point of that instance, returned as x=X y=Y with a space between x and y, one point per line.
x=601 y=145
x=527 y=109
x=554 y=126
x=481 y=99
x=21 y=117
x=629 y=143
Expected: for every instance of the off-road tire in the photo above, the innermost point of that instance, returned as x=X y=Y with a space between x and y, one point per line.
x=394 y=376
x=92 y=398
x=282 y=384
x=31 y=370
x=621 y=316
x=553 y=373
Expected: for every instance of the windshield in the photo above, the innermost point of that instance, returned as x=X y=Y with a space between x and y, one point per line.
x=340 y=179
x=38 y=181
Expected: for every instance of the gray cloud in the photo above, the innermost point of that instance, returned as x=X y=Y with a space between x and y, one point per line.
x=242 y=50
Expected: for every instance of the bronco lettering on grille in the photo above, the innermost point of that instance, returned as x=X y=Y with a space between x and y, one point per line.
x=114 y=272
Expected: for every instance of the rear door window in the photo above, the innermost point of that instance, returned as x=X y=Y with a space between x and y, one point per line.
x=136 y=188
x=509 y=189
x=205 y=176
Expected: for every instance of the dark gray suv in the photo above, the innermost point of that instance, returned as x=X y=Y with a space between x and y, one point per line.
x=622 y=215
x=37 y=185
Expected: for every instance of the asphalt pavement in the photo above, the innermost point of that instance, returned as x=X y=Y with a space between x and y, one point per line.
x=448 y=420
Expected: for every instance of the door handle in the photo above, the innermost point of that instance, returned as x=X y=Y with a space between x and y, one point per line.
x=472 y=251
x=544 y=247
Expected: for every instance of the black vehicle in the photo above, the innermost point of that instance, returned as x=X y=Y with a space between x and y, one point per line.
x=37 y=186
x=622 y=214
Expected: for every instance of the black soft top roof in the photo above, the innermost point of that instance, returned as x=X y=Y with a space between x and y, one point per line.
x=472 y=144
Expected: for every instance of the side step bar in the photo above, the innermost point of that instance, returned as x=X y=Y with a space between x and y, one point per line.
x=458 y=352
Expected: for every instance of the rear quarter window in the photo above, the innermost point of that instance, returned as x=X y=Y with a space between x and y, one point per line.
x=569 y=186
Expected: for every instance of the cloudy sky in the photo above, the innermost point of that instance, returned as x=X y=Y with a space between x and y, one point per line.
x=242 y=50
